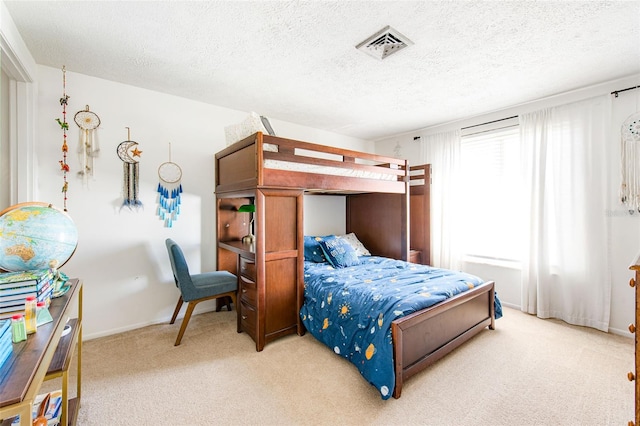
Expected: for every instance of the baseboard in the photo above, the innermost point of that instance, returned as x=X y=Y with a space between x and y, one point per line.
x=617 y=331
x=510 y=305
x=623 y=333
x=131 y=327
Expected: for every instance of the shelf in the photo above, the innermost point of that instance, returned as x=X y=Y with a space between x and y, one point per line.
x=64 y=351
x=45 y=354
x=238 y=247
x=74 y=408
x=73 y=414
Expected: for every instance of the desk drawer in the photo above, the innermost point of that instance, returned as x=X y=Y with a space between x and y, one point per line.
x=248 y=319
x=248 y=291
x=248 y=268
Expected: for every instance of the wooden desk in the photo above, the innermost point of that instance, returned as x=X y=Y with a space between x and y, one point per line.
x=44 y=355
x=269 y=271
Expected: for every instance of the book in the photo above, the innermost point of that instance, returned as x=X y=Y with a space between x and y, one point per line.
x=15 y=299
x=13 y=308
x=6 y=299
x=24 y=278
x=5 y=352
x=52 y=412
x=6 y=343
x=5 y=327
x=16 y=302
x=8 y=315
x=25 y=290
x=16 y=306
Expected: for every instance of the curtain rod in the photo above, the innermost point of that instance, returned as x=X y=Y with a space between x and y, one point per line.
x=489 y=122
x=615 y=92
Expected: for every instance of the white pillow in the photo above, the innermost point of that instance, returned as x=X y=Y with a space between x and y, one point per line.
x=360 y=249
x=244 y=129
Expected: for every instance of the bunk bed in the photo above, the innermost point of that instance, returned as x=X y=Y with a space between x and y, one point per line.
x=274 y=173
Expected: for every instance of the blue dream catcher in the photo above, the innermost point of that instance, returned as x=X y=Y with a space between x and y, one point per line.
x=169 y=191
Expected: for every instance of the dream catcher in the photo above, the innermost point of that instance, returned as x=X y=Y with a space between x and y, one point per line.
x=88 y=144
x=630 y=166
x=131 y=173
x=169 y=190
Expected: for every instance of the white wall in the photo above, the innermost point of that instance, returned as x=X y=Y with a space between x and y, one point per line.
x=5 y=176
x=320 y=216
x=121 y=254
x=625 y=229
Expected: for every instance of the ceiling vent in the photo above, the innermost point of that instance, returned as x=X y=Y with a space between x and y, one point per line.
x=384 y=43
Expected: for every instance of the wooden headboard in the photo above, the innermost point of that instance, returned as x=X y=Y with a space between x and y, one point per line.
x=391 y=225
x=381 y=223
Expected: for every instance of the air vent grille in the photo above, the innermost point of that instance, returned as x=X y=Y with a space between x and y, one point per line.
x=384 y=43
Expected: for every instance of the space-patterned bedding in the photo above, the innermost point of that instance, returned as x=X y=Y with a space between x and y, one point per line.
x=351 y=309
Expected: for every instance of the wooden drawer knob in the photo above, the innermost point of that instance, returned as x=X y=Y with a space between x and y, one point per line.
x=631 y=424
x=632 y=328
x=632 y=282
x=631 y=376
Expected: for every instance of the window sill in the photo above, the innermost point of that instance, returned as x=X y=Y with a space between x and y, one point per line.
x=503 y=263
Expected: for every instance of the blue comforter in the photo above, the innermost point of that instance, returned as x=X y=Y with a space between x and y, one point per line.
x=351 y=309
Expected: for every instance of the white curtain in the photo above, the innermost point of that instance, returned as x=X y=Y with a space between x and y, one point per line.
x=565 y=272
x=442 y=151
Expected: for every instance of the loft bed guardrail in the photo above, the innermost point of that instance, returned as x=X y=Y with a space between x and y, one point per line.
x=269 y=161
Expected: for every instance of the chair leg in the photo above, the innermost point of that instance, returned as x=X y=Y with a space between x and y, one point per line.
x=226 y=300
x=222 y=302
x=177 y=310
x=185 y=321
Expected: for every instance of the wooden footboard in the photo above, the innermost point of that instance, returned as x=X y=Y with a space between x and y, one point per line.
x=422 y=338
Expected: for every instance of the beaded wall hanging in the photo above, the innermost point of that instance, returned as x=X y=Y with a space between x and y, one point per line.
x=131 y=172
x=169 y=190
x=88 y=148
x=64 y=167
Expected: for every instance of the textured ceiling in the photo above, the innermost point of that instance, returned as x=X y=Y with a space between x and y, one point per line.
x=296 y=60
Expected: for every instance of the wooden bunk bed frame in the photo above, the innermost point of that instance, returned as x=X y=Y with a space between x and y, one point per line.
x=241 y=166
x=380 y=212
x=420 y=213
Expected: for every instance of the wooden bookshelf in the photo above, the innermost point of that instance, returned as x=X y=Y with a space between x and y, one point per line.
x=43 y=356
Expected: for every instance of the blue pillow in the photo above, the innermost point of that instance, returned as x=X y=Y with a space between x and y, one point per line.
x=312 y=250
x=339 y=252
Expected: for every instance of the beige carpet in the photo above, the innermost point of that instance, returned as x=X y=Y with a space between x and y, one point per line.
x=526 y=372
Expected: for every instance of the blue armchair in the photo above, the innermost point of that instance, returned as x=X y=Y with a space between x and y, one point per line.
x=195 y=288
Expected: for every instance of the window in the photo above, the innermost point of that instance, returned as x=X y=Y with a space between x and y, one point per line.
x=491 y=194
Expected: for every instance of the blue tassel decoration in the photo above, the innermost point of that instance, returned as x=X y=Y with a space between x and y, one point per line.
x=169 y=200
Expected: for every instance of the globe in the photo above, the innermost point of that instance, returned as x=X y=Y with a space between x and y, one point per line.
x=35 y=236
